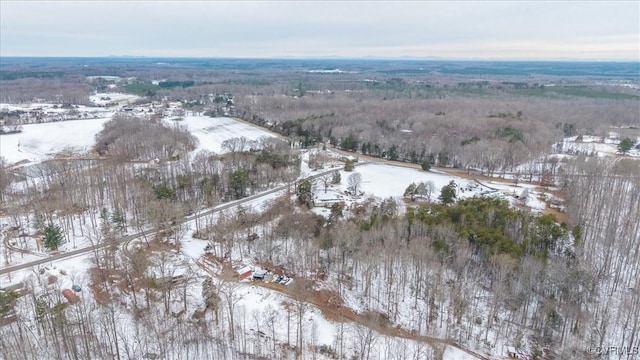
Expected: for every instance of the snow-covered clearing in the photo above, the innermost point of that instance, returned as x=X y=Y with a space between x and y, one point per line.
x=384 y=181
x=115 y=99
x=596 y=146
x=452 y=353
x=45 y=112
x=38 y=142
x=211 y=132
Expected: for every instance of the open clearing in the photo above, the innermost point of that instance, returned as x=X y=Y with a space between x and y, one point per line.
x=211 y=132
x=38 y=142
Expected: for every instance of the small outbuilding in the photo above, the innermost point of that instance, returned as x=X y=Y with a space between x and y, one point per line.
x=70 y=296
x=244 y=272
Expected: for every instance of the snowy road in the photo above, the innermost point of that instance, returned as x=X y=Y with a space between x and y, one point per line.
x=129 y=238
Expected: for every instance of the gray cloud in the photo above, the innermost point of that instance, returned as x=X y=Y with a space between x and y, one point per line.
x=602 y=30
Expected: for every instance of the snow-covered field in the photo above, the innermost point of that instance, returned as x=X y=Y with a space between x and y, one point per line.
x=211 y=132
x=596 y=145
x=103 y=99
x=54 y=129
x=38 y=142
x=46 y=110
x=384 y=181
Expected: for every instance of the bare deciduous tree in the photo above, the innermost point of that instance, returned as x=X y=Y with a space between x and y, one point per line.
x=354 y=181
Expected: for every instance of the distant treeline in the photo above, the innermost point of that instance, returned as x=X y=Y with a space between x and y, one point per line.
x=173 y=84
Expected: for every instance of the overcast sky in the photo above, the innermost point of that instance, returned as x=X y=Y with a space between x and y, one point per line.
x=452 y=29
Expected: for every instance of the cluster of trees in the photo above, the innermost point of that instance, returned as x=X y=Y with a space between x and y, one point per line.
x=543 y=275
x=603 y=201
x=99 y=200
x=450 y=129
x=476 y=270
x=492 y=227
x=10 y=122
x=128 y=138
x=128 y=312
x=441 y=259
x=533 y=272
x=66 y=90
x=626 y=145
x=423 y=190
x=69 y=193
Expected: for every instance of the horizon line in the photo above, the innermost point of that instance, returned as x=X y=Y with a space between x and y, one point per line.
x=329 y=57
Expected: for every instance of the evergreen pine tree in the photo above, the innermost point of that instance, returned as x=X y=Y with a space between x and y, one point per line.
x=448 y=193
x=625 y=145
x=336 y=178
x=53 y=237
x=118 y=220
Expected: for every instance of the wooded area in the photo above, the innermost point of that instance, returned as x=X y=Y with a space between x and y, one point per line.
x=476 y=272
